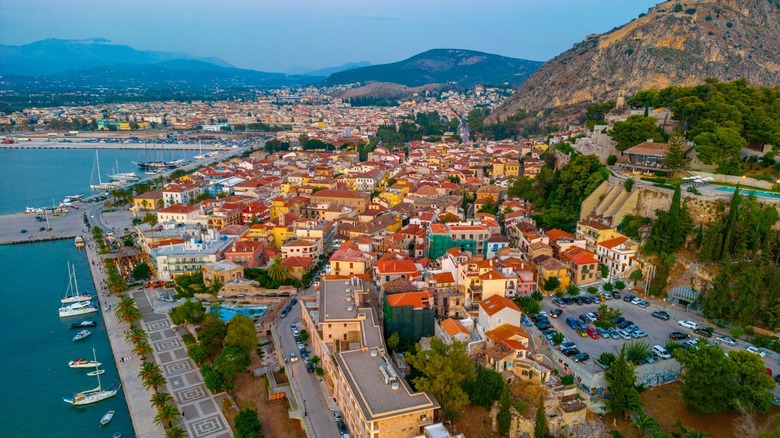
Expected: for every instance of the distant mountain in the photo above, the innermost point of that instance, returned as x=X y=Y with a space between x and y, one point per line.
x=178 y=73
x=325 y=72
x=466 y=68
x=51 y=56
x=675 y=43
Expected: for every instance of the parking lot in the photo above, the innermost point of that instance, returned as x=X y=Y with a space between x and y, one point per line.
x=657 y=330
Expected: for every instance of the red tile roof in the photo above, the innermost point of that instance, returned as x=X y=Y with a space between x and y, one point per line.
x=611 y=243
x=417 y=300
x=497 y=303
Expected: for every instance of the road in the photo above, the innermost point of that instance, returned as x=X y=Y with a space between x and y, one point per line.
x=311 y=393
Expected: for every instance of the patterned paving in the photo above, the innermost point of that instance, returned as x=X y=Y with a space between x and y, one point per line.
x=203 y=418
x=207 y=427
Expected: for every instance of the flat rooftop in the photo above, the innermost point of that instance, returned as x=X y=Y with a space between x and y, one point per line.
x=376 y=398
x=337 y=300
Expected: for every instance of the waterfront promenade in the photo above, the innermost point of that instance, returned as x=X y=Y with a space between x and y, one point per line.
x=141 y=410
x=76 y=144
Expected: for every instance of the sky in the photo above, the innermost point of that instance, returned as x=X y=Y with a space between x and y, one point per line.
x=280 y=35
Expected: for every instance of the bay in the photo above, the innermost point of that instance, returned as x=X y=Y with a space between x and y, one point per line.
x=37 y=345
x=33 y=177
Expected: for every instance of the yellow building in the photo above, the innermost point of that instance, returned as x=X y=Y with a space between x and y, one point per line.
x=553 y=268
x=498 y=169
x=349 y=260
x=149 y=201
x=512 y=168
x=279 y=206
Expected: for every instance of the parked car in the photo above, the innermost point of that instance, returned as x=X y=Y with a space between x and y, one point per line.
x=603 y=333
x=582 y=357
x=618 y=320
x=578 y=301
x=613 y=333
x=755 y=350
x=660 y=314
x=570 y=351
x=592 y=333
x=624 y=324
x=638 y=334
x=616 y=295
x=691 y=343
x=688 y=324
x=293 y=357
x=309 y=367
x=642 y=304
x=336 y=415
x=628 y=297
x=568 y=301
x=571 y=322
x=636 y=301
x=702 y=332
x=624 y=334
x=341 y=426
x=591 y=316
x=558 y=302
x=678 y=336
x=526 y=321
x=632 y=328
x=661 y=352
x=582 y=332
x=567 y=344
x=726 y=340
x=556 y=313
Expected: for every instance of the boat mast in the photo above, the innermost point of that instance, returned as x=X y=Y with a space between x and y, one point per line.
x=94 y=357
x=75 y=281
x=97 y=160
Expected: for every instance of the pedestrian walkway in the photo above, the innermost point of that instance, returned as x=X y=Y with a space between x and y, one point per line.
x=141 y=410
x=201 y=413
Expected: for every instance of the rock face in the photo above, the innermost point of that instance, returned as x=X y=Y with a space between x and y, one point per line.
x=670 y=45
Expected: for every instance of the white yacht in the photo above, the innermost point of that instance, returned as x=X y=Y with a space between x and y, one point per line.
x=93 y=395
x=75 y=303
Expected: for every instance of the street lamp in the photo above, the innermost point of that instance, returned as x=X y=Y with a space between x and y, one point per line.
x=305 y=414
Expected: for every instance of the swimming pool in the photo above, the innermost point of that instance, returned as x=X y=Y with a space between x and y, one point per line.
x=227 y=313
x=749 y=192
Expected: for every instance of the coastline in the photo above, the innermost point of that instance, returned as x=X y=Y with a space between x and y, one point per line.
x=141 y=411
x=101 y=146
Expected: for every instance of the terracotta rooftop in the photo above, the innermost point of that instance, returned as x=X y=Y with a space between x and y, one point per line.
x=418 y=300
x=497 y=303
x=453 y=327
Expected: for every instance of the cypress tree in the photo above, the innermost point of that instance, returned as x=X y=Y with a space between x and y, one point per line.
x=541 y=430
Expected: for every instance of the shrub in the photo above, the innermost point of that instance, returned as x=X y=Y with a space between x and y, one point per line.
x=629 y=184
x=568 y=379
x=690 y=11
x=612 y=159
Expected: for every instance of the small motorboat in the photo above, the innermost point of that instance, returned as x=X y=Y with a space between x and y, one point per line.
x=107 y=418
x=81 y=335
x=83 y=324
x=95 y=373
x=118 y=435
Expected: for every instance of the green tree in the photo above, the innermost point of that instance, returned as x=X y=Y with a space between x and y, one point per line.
x=620 y=285
x=504 y=417
x=160 y=399
x=315 y=360
x=319 y=372
x=148 y=369
x=541 y=429
x=557 y=338
x=609 y=287
x=166 y=415
x=621 y=380
x=247 y=424
x=154 y=381
x=231 y=361
x=197 y=353
x=628 y=184
x=646 y=424
x=241 y=332
x=607 y=358
x=528 y=305
x=127 y=311
x=485 y=388
x=277 y=271
x=675 y=155
x=142 y=271
x=189 y=311
x=634 y=130
x=443 y=367
x=142 y=349
x=593 y=290
x=573 y=290
x=393 y=341
x=212 y=379
x=607 y=314
x=722 y=144
x=135 y=335
x=212 y=334
x=636 y=351
x=710 y=379
x=551 y=283
x=150 y=218
x=304 y=335
x=670 y=228
x=753 y=383
x=176 y=432
x=635 y=275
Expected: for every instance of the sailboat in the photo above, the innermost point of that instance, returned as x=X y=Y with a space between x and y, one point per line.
x=82 y=307
x=72 y=295
x=200 y=155
x=150 y=165
x=103 y=185
x=123 y=177
x=93 y=395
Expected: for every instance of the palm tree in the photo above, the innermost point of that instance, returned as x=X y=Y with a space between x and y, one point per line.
x=160 y=399
x=319 y=372
x=693 y=433
x=142 y=349
x=127 y=311
x=154 y=381
x=176 y=432
x=646 y=424
x=315 y=360
x=135 y=335
x=277 y=271
x=148 y=369
x=166 y=416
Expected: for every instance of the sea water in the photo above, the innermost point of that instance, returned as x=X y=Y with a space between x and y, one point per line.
x=33 y=177
x=36 y=345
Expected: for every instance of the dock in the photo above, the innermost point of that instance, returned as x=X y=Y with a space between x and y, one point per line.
x=67 y=226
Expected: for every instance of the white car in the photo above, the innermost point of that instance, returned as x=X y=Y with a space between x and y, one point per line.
x=755 y=350
x=624 y=334
x=726 y=340
x=636 y=301
x=688 y=324
x=661 y=352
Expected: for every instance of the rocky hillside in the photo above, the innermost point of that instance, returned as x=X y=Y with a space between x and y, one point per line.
x=675 y=43
x=466 y=68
